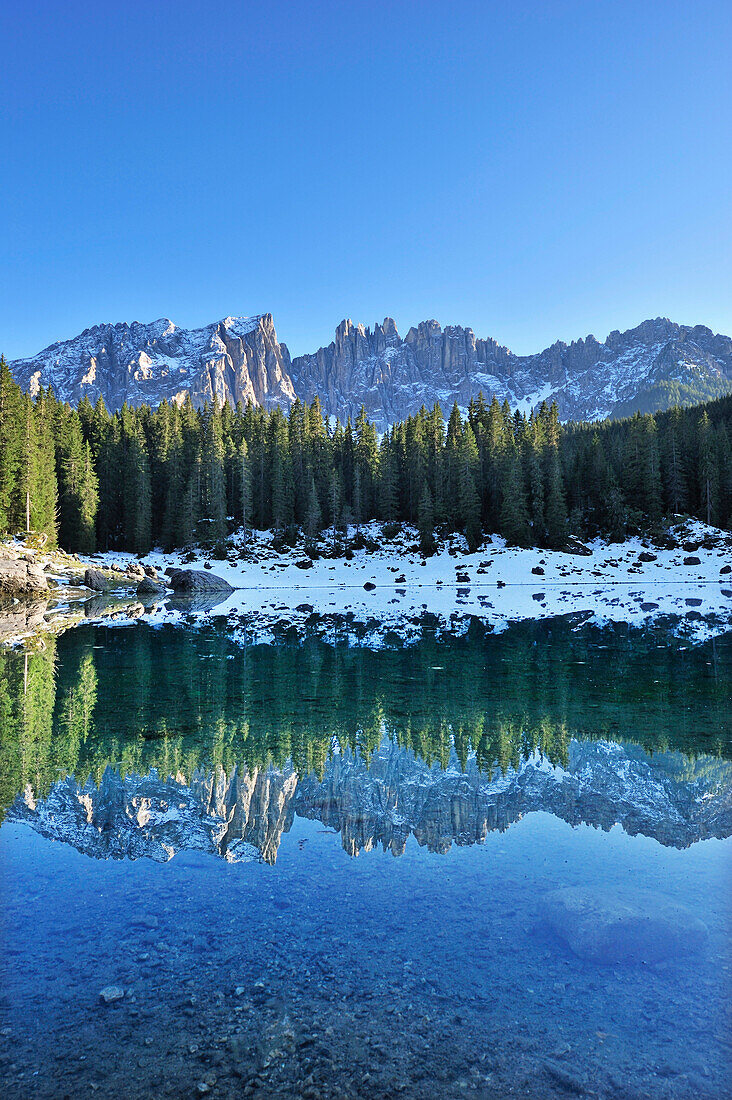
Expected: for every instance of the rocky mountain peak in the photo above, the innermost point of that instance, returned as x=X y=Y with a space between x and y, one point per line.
x=651 y=366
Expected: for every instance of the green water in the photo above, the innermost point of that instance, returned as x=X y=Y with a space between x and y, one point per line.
x=176 y=700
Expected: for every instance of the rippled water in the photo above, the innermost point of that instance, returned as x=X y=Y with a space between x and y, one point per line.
x=540 y=903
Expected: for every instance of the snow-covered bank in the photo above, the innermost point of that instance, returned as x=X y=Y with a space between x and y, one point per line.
x=390 y=587
x=387 y=589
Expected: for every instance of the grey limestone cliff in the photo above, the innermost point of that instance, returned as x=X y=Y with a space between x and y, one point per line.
x=243 y=814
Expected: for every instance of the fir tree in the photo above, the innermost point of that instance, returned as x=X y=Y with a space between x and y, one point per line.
x=426 y=522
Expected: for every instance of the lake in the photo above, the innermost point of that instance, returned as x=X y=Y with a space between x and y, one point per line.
x=489 y=866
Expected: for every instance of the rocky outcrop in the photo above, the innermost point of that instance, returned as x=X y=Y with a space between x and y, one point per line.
x=393 y=377
x=236 y=359
x=238 y=817
x=240 y=359
x=21 y=618
x=244 y=814
x=184 y=581
x=20 y=579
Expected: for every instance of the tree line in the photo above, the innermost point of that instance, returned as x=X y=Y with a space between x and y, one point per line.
x=145 y=699
x=176 y=476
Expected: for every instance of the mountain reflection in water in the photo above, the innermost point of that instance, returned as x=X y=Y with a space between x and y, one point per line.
x=574 y=941
x=147 y=742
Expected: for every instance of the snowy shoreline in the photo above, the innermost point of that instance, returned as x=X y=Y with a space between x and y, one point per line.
x=389 y=588
x=497 y=584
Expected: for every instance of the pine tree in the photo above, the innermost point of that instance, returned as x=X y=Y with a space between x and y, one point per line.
x=212 y=521
x=468 y=493
x=674 y=465
x=44 y=491
x=78 y=485
x=514 y=511
x=137 y=489
x=244 y=513
x=388 y=486
x=282 y=487
x=313 y=519
x=556 y=507
x=426 y=522
x=708 y=468
x=11 y=449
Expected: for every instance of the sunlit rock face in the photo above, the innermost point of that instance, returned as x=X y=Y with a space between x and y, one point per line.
x=236 y=359
x=392 y=377
x=603 y=784
x=395 y=795
x=237 y=817
x=240 y=359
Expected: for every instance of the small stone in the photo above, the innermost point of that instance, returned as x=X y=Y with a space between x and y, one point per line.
x=369 y=586
x=692 y=560
x=563 y=1079
x=111 y=993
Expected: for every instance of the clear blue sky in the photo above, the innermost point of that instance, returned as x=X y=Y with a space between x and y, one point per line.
x=536 y=170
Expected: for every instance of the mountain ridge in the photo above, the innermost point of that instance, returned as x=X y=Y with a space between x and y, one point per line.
x=652 y=366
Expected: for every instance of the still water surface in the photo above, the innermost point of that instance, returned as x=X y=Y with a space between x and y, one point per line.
x=539 y=907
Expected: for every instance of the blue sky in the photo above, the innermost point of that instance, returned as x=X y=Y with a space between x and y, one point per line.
x=538 y=171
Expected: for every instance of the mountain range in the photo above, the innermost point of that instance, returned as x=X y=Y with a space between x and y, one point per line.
x=653 y=366
x=243 y=814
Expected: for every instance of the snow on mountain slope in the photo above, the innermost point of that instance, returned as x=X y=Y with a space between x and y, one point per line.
x=648 y=367
x=237 y=359
x=657 y=364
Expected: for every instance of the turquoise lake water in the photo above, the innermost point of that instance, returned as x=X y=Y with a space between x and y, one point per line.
x=313 y=870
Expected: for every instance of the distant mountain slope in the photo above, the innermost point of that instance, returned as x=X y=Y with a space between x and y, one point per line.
x=242 y=815
x=650 y=367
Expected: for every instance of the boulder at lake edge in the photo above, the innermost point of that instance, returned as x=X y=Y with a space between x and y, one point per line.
x=149 y=587
x=21 y=578
x=95 y=580
x=196 y=580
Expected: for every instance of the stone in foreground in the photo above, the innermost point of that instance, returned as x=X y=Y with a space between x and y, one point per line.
x=622 y=928
x=196 y=580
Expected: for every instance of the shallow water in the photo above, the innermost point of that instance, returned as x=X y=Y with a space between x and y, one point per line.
x=181 y=821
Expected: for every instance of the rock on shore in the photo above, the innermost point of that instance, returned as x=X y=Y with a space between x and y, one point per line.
x=20 y=578
x=196 y=580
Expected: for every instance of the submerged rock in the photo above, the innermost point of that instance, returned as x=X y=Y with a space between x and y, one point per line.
x=196 y=580
x=111 y=993
x=611 y=927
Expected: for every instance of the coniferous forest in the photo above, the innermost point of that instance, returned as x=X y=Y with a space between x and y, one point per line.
x=177 y=476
